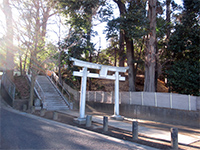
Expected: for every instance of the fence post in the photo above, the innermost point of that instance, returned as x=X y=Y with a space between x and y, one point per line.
x=135 y=130
x=171 y=100
x=95 y=96
x=174 y=138
x=156 y=102
x=105 y=123
x=189 y=102
x=142 y=94
x=102 y=97
x=111 y=97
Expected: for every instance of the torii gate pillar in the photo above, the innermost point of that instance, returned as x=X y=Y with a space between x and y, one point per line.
x=103 y=75
x=83 y=94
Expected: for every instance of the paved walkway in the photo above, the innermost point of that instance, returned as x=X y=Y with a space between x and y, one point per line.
x=185 y=139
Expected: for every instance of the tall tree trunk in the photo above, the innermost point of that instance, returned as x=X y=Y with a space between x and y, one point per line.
x=90 y=57
x=122 y=10
x=168 y=19
x=59 y=67
x=115 y=56
x=9 y=39
x=121 y=49
x=20 y=62
x=130 y=58
x=89 y=45
x=60 y=53
x=150 y=58
x=34 y=56
x=156 y=69
x=25 y=61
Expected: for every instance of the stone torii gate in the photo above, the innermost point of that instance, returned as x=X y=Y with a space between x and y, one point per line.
x=102 y=75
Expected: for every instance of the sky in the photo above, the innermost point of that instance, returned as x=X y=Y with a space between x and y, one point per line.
x=54 y=37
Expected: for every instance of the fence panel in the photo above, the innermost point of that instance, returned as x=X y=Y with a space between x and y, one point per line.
x=193 y=103
x=166 y=100
x=113 y=97
x=149 y=99
x=180 y=101
x=125 y=97
x=163 y=100
x=136 y=98
x=108 y=97
x=91 y=96
x=99 y=96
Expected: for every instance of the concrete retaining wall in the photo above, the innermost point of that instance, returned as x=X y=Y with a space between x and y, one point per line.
x=165 y=115
x=6 y=96
x=18 y=103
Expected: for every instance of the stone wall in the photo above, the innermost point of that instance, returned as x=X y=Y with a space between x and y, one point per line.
x=18 y=103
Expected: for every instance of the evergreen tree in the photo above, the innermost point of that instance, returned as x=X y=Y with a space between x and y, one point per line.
x=183 y=75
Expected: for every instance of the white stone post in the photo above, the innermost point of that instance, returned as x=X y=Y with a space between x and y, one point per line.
x=116 y=107
x=83 y=94
x=116 y=110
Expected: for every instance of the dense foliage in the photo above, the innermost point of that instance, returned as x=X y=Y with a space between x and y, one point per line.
x=183 y=73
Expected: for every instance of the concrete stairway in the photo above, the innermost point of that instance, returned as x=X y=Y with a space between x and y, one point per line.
x=52 y=98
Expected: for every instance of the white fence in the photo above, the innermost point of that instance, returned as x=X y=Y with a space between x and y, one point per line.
x=165 y=100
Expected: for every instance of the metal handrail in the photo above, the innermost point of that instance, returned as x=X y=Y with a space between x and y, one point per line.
x=58 y=91
x=57 y=80
x=38 y=90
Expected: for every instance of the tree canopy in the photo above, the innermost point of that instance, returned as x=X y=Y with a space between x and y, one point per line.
x=141 y=37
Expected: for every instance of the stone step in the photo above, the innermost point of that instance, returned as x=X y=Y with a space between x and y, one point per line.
x=57 y=108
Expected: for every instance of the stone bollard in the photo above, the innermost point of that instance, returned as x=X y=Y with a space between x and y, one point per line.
x=174 y=138
x=105 y=123
x=88 y=120
x=32 y=109
x=71 y=105
x=24 y=108
x=135 y=130
x=42 y=112
x=55 y=115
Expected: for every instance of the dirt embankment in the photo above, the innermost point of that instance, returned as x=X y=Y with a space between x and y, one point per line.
x=22 y=87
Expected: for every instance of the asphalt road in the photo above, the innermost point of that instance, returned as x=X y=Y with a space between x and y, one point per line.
x=20 y=130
